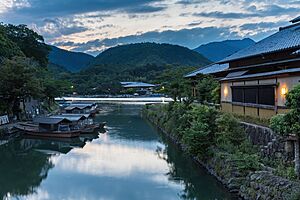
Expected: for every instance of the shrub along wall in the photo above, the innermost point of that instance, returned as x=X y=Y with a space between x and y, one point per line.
x=219 y=143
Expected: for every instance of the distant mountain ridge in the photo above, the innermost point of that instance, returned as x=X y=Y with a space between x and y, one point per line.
x=70 y=61
x=141 y=54
x=216 y=51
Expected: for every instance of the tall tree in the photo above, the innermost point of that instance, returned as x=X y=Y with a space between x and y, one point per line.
x=18 y=81
x=31 y=43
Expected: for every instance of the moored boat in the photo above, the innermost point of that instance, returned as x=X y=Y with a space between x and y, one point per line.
x=50 y=127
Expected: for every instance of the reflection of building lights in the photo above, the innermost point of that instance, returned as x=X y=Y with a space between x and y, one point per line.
x=283 y=91
x=225 y=91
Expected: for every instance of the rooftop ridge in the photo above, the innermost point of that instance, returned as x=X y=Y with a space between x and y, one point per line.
x=289 y=26
x=297 y=19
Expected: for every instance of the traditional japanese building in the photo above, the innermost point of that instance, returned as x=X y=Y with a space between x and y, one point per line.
x=259 y=77
x=255 y=80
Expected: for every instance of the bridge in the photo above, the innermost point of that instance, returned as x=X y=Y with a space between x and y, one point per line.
x=120 y=100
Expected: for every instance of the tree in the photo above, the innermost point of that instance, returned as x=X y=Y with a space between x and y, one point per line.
x=176 y=85
x=18 y=82
x=31 y=43
x=208 y=90
x=8 y=48
x=290 y=123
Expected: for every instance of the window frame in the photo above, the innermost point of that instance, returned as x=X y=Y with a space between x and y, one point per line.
x=258 y=87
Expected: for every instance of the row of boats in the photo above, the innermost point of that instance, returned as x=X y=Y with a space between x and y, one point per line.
x=73 y=120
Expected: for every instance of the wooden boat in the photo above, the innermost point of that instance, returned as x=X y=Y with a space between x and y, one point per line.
x=34 y=131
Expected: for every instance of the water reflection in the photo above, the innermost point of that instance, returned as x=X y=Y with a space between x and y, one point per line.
x=130 y=161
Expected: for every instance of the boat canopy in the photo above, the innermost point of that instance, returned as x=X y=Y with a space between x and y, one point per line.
x=51 y=120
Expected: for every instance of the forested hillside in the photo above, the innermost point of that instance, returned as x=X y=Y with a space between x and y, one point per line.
x=133 y=62
x=70 y=61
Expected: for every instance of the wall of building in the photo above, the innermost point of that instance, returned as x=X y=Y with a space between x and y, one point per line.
x=285 y=84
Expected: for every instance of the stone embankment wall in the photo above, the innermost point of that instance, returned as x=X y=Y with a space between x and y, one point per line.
x=272 y=146
x=263 y=185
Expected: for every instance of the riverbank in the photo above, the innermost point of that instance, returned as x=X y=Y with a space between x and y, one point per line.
x=228 y=156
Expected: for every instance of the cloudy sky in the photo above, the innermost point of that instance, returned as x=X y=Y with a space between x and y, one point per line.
x=94 y=25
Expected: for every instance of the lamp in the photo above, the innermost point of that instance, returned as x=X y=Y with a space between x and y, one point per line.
x=225 y=91
x=283 y=91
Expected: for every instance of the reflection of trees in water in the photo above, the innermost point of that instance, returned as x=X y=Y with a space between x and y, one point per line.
x=23 y=165
x=182 y=170
x=22 y=170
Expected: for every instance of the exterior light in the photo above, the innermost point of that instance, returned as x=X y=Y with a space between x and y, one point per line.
x=72 y=87
x=163 y=87
x=283 y=91
x=225 y=91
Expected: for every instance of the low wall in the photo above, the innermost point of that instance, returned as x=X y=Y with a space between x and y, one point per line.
x=272 y=146
x=264 y=185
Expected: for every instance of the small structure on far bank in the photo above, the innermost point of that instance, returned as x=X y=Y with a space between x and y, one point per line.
x=139 y=88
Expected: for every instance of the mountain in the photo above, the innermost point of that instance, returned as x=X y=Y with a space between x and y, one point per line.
x=134 y=62
x=71 y=61
x=141 y=54
x=216 y=51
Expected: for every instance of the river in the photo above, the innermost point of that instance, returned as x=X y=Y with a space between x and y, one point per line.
x=131 y=161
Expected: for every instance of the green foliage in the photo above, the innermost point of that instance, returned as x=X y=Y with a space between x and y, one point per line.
x=278 y=124
x=285 y=171
x=23 y=73
x=246 y=162
x=229 y=130
x=199 y=136
x=293 y=98
x=30 y=43
x=289 y=123
x=176 y=86
x=18 y=81
x=8 y=48
x=208 y=90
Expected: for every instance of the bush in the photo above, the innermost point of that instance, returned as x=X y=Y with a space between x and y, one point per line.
x=198 y=129
x=278 y=124
x=229 y=130
x=198 y=139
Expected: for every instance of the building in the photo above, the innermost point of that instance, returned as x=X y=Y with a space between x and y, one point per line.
x=260 y=76
x=255 y=80
x=139 y=87
x=80 y=108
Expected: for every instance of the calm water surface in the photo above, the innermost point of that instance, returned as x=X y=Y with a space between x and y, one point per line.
x=131 y=161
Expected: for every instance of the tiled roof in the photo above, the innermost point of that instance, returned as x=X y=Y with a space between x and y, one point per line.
x=80 y=107
x=210 y=69
x=265 y=74
x=286 y=38
x=73 y=118
x=49 y=120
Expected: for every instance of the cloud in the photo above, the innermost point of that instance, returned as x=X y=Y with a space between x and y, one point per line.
x=262 y=25
x=52 y=28
x=94 y=25
x=223 y=15
x=56 y=8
